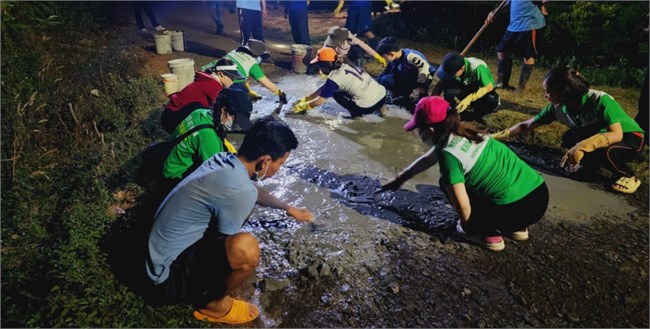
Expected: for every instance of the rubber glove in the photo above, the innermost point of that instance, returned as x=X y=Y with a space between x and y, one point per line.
x=282 y=96
x=464 y=104
x=253 y=95
x=337 y=11
x=229 y=147
x=574 y=155
x=301 y=107
x=501 y=135
x=381 y=60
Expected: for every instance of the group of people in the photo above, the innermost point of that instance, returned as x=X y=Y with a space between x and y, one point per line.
x=196 y=251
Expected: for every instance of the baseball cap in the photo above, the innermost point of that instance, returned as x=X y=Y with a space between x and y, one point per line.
x=336 y=36
x=230 y=70
x=430 y=110
x=239 y=104
x=451 y=63
x=325 y=54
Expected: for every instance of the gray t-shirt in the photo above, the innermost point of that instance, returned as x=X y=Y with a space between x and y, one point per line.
x=219 y=190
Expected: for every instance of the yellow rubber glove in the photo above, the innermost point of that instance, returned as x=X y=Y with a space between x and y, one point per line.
x=337 y=11
x=282 y=96
x=229 y=147
x=501 y=135
x=302 y=100
x=464 y=104
x=574 y=155
x=301 y=107
x=253 y=95
x=381 y=60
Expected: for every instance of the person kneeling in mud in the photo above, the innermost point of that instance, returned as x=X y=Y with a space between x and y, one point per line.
x=351 y=86
x=197 y=253
x=494 y=192
x=600 y=132
x=466 y=83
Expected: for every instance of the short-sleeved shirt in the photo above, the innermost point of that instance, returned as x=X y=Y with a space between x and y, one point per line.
x=218 y=193
x=476 y=70
x=488 y=168
x=203 y=90
x=415 y=58
x=197 y=147
x=525 y=16
x=361 y=86
x=596 y=108
x=246 y=65
x=249 y=4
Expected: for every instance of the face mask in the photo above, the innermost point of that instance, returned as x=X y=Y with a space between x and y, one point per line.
x=228 y=124
x=256 y=177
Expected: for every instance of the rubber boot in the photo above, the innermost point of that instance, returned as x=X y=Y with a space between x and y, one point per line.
x=504 y=70
x=526 y=72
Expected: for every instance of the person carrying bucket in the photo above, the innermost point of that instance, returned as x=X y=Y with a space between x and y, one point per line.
x=196 y=251
x=600 y=131
x=202 y=93
x=494 y=192
x=248 y=58
x=351 y=86
x=342 y=40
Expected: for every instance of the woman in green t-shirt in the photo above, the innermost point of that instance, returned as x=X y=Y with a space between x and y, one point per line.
x=494 y=192
x=600 y=132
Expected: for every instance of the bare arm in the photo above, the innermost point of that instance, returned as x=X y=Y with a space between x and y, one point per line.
x=614 y=133
x=459 y=198
x=264 y=12
x=421 y=164
x=266 y=199
x=523 y=127
x=268 y=84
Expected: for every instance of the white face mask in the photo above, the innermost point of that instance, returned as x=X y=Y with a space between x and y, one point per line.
x=256 y=177
x=228 y=124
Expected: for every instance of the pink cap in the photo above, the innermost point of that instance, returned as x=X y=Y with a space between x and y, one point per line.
x=430 y=110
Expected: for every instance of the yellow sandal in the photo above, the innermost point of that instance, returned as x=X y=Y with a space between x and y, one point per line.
x=627 y=185
x=238 y=314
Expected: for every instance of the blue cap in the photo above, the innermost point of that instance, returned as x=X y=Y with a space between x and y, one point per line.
x=451 y=63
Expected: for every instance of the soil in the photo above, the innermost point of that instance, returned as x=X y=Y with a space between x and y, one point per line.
x=394 y=259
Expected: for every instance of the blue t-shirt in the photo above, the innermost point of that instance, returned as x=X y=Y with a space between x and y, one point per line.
x=219 y=190
x=249 y=4
x=525 y=16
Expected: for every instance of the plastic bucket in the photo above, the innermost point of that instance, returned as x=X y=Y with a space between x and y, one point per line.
x=184 y=70
x=163 y=43
x=170 y=80
x=178 y=43
x=300 y=58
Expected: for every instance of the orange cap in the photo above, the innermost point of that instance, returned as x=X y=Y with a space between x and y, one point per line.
x=325 y=54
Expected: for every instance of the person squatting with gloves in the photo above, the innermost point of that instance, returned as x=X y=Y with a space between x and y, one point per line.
x=342 y=40
x=494 y=192
x=466 y=83
x=248 y=58
x=202 y=93
x=351 y=86
x=408 y=75
x=600 y=132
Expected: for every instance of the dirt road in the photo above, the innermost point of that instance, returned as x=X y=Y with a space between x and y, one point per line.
x=394 y=261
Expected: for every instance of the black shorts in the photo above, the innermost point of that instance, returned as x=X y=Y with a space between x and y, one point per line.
x=523 y=44
x=198 y=275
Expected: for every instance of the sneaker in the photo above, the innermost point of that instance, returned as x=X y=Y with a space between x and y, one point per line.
x=492 y=243
x=159 y=28
x=143 y=29
x=519 y=235
x=499 y=85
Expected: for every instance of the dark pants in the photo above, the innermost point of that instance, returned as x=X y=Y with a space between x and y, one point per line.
x=298 y=19
x=217 y=10
x=615 y=156
x=171 y=119
x=489 y=219
x=346 y=101
x=250 y=21
x=401 y=81
x=454 y=90
x=138 y=6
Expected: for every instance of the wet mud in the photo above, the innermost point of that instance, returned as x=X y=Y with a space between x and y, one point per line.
x=394 y=260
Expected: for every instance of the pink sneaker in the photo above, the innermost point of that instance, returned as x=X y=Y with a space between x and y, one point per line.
x=494 y=243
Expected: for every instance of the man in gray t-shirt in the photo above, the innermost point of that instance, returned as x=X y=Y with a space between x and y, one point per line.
x=196 y=252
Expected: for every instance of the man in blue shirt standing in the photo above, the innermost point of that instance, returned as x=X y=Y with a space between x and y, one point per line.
x=522 y=34
x=196 y=252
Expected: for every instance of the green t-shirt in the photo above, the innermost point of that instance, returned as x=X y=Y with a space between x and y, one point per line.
x=597 y=108
x=476 y=70
x=199 y=146
x=489 y=168
x=246 y=64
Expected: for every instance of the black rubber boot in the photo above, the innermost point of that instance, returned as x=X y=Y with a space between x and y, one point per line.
x=526 y=72
x=504 y=70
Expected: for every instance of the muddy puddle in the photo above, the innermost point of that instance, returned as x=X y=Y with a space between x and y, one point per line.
x=380 y=259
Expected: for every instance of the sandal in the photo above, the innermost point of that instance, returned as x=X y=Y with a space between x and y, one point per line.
x=627 y=185
x=238 y=314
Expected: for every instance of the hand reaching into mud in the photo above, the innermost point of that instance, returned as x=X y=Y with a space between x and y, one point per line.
x=301 y=214
x=392 y=185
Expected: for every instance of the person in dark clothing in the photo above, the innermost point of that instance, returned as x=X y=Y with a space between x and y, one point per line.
x=138 y=6
x=251 y=13
x=296 y=11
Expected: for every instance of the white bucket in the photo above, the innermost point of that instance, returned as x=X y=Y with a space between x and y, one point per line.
x=184 y=70
x=178 y=43
x=163 y=43
x=170 y=80
x=299 y=61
